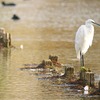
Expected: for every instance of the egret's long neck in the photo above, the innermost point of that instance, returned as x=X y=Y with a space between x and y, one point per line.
x=90 y=27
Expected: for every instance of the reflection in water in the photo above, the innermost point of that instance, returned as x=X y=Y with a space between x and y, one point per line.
x=46 y=27
x=4 y=65
x=90 y=98
x=4 y=61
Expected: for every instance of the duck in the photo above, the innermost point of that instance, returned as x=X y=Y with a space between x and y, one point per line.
x=15 y=17
x=8 y=4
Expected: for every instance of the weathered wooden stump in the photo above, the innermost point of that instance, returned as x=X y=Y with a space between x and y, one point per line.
x=59 y=69
x=9 y=42
x=99 y=85
x=45 y=64
x=5 y=38
x=82 y=73
x=69 y=72
x=54 y=59
x=89 y=77
x=48 y=63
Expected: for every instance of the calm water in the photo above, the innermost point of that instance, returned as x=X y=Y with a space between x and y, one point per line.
x=46 y=27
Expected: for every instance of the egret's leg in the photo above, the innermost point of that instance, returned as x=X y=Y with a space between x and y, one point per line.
x=81 y=60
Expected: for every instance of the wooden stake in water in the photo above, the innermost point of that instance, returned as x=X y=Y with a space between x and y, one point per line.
x=99 y=85
x=69 y=72
x=82 y=73
x=10 y=40
x=89 y=77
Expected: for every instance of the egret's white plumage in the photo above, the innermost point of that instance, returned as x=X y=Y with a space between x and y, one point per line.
x=84 y=37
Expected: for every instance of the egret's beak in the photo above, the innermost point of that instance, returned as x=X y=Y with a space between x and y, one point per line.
x=96 y=23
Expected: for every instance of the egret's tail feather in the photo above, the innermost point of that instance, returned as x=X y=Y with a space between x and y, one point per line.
x=78 y=55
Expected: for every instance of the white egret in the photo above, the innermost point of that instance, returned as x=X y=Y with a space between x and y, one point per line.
x=84 y=38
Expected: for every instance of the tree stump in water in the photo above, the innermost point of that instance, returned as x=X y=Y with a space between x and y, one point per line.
x=99 y=85
x=48 y=63
x=82 y=73
x=54 y=59
x=69 y=72
x=45 y=64
x=89 y=77
x=9 y=42
x=5 y=38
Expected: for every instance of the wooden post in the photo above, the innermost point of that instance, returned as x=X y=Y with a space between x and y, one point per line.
x=5 y=38
x=89 y=77
x=48 y=64
x=45 y=64
x=9 y=40
x=54 y=59
x=69 y=72
x=99 y=85
x=5 y=41
x=82 y=73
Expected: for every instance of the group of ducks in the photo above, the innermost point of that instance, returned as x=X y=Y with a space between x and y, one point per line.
x=14 y=17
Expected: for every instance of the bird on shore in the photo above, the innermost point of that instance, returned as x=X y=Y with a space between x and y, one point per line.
x=84 y=38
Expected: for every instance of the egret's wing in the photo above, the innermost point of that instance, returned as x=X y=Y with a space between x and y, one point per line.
x=91 y=35
x=79 y=39
x=87 y=38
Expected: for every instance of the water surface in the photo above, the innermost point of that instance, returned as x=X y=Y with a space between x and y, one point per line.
x=45 y=27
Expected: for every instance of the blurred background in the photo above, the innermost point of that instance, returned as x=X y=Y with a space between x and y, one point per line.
x=45 y=27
